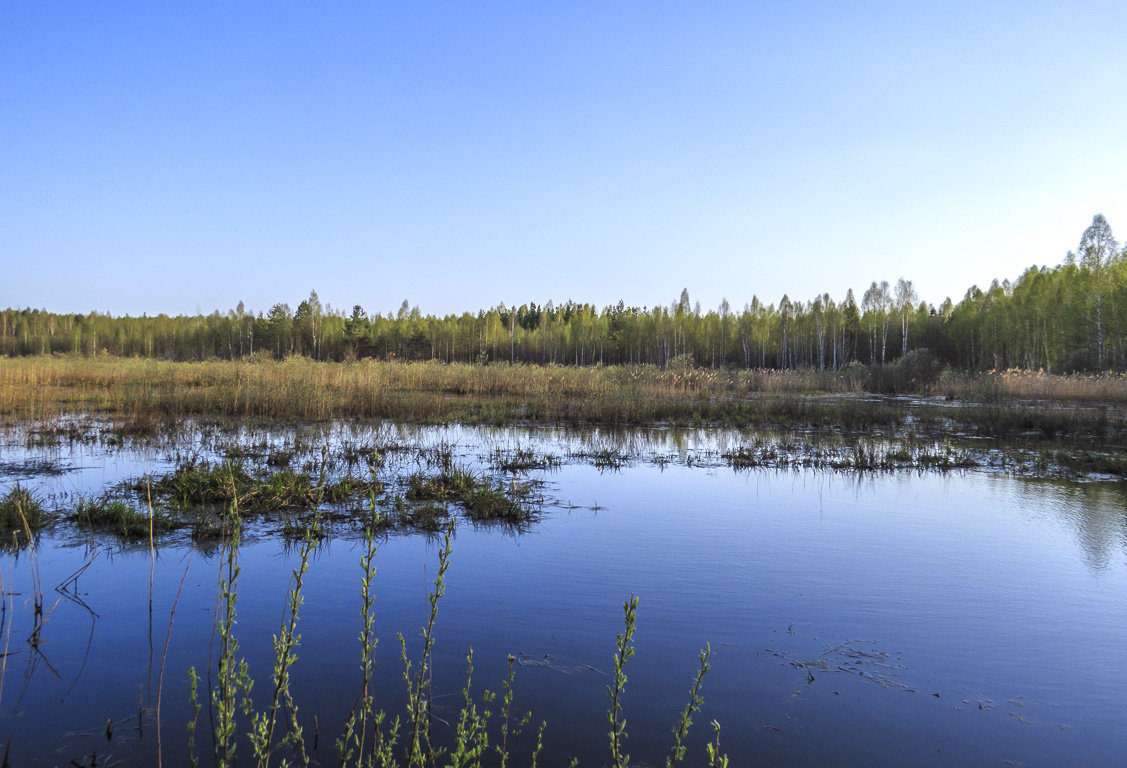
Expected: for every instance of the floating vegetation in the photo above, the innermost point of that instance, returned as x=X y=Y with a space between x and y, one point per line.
x=398 y=477
x=355 y=452
x=61 y=431
x=30 y=467
x=854 y=657
x=280 y=458
x=239 y=451
x=428 y=516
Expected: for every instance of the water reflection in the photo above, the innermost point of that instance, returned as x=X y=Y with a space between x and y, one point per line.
x=877 y=618
x=1095 y=513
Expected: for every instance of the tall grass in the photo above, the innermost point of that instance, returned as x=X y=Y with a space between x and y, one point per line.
x=1110 y=388
x=298 y=388
x=148 y=394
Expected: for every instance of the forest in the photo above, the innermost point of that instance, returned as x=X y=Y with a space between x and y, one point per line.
x=1071 y=317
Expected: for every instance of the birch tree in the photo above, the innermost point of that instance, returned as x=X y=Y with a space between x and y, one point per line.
x=1097 y=249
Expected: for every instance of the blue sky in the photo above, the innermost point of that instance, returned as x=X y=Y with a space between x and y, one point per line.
x=164 y=157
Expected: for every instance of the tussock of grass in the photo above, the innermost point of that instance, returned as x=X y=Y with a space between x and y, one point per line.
x=21 y=514
x=603 y=458
x=427 y=516
x=120 y=518
x=519 y=460
x=203 y=483
x=483 y=499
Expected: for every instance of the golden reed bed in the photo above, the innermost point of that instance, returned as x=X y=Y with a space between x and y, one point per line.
x=302 y=389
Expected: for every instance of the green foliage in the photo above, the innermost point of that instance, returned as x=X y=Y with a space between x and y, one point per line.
x=370 y=738
x=484 y=500
x=233 y=674
x=917 y=371
x=118 y=517
x=21 y=514
x=419 y=686
x=195 y=483
x=1066 y=318
x=624 y=650
x=715 y=758
x=696 y=701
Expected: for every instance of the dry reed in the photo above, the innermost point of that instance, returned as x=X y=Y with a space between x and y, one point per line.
x=147 y=393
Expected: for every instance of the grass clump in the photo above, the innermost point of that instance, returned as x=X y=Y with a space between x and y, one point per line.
x=21 y=513
x=604 y=458
x=120 y=518
x=862 y=456
x=428 y=516
x=522 y=460
x=198 y=483
x=482 y=499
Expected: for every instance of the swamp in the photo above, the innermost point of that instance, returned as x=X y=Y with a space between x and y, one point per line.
x=355 y=411
x=420 y=555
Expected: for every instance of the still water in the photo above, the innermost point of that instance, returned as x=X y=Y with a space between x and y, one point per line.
x=877 y=619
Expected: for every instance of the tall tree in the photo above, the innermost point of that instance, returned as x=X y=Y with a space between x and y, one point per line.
x=1097 y=249
x=905 y=301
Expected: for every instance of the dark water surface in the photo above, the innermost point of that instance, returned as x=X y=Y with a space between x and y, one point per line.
x=888 y=619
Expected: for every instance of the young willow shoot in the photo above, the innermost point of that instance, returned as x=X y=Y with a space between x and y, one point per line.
x=623 y=651
x=369 y=738
x=695 y=703
x=418 y=688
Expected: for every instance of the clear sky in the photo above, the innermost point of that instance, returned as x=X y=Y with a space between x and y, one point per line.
x=181 y=157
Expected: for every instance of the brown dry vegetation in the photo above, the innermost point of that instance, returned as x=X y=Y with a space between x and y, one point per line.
x=299 y=389
x=1108 y=388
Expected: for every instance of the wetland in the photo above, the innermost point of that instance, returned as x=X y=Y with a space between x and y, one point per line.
x=868 y=598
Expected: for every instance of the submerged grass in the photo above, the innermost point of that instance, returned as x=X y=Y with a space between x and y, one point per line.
x=33 y=468
x=368 y=475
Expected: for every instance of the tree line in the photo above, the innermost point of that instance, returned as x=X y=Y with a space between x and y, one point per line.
x=1069 y=317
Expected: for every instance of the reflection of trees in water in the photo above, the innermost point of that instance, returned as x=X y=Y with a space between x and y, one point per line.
x=1095 y=512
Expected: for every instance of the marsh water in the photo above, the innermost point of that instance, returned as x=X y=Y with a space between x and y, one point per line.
x=888 y=618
